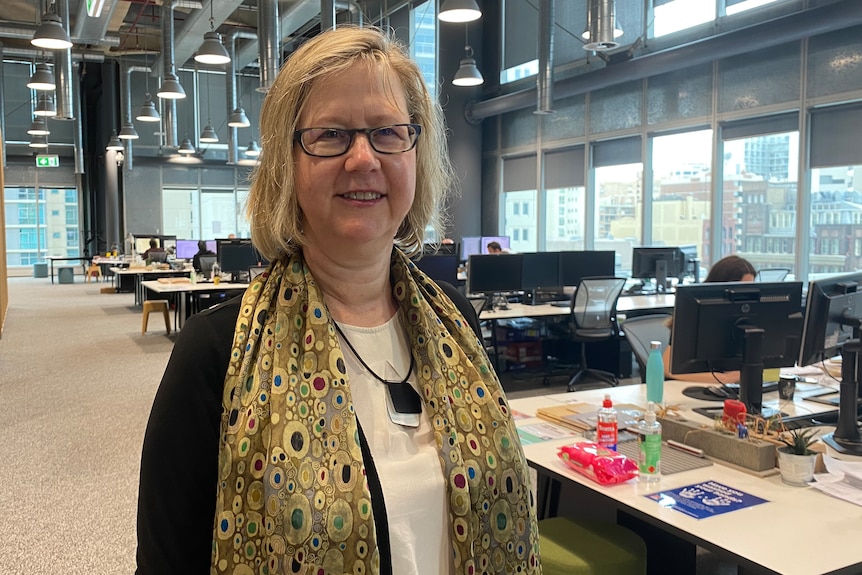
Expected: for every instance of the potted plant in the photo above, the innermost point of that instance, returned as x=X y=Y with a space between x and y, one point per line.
x=795 y=458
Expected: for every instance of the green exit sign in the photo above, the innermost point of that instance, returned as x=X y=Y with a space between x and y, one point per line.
x=47 y=161
x=94 y=8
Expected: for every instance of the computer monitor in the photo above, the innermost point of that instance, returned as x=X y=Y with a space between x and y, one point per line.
x=738 y=325
x=430 y=249
x=470 y=246
x=142 y=243
x=490 y=274
x=833 y=318
x=658 y=262
x=440 y=267
x=186 y=249
x=541 y=271
x=577 y=265
x=237 y=256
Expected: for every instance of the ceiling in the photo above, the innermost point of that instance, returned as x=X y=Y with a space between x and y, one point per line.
x=133 y=28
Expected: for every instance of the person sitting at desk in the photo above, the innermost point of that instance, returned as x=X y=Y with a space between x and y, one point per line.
x=153 y=249
x=727 y=269
x=495 y=248
x=203 y=250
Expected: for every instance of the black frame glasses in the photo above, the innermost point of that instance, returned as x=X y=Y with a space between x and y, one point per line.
x=333 y=142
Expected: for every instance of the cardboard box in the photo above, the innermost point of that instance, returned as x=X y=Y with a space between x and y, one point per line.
x=523 y=354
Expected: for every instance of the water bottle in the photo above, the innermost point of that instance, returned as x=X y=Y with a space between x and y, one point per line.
x=655 y=374
x=649 y=447
x=193 y=277
x=216 y=273
x=606 y=426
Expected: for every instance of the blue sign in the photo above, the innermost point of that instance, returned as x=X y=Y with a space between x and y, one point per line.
x=706 y=499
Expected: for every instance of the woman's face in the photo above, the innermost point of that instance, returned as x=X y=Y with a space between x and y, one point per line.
x=360 y=198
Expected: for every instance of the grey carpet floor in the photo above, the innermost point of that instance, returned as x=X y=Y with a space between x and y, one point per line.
x=77 y=379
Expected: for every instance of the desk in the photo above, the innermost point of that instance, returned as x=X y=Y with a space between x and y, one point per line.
x=800 y=531
x=139 y=277
x=186 y=304
x=52 y=259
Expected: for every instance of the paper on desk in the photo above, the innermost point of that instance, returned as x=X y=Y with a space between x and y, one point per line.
x=843 y=479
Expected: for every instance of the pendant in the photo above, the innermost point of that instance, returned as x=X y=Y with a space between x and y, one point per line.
x=403 y=404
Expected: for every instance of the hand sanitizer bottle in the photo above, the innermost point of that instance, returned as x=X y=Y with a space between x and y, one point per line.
x=655 y=374
x=649 y=447
x=606 y=426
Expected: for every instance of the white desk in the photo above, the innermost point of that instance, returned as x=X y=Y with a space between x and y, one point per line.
x=139 y=275
x=625 y=304
x=187 y=290
x=800 y=531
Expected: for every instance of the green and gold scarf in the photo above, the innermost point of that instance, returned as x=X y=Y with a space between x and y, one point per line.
x=292 y=495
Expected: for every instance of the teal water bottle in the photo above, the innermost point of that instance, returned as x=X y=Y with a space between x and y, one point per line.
x=655 y=374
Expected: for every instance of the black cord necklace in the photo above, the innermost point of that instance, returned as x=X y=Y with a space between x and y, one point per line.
x=404 y=398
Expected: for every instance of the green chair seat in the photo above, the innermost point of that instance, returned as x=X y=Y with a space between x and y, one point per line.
x=580 y=547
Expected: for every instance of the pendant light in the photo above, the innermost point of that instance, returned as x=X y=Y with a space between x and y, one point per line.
x=51 y=35
x=114 y=143
x=468 y=74
x=208 y=136
x=42 y=78
x=45 y=106
x=459 y=11
x=238 y=119
x=38 y=142
x=148 y=111
x=186 y=148
x=253 y=150
x=171 y=89
x=39 y=127
x=212 y=51
x=128 y=132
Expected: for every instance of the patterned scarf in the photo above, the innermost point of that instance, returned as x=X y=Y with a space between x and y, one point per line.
x=292 y=495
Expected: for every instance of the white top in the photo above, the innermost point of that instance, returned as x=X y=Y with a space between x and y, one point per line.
x=406 y=458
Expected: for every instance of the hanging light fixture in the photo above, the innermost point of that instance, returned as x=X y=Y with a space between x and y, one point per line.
x=171 y=88
x=114 y=143
x=468 y=74
x=186 y=147
x=38 y=142
x=253 y=150
x=602 y=30
x=212 y=51
x=238 y=119
x=51 y=35
x=148 y=111
x=45 y=106
x=128 y=132
x=208 y=136
x=39 y=127
x=42 y=78
x=459 y=11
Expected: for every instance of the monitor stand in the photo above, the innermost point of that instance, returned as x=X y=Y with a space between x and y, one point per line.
x=751 y=373
x=846 y=439
x=660 y=276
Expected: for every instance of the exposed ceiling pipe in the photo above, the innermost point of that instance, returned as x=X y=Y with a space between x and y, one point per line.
x=230 y=97
x=63 y=69
x=126 y=98
x=269 y=41
x=802 y=24
x=169 y=119
x=91 y=30
x=327 y=15
x=545 y=78
x=30 y=54
x=77 y=131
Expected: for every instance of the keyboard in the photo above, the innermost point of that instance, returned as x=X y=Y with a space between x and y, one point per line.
x=560 y=303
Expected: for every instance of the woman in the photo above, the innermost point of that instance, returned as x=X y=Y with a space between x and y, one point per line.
x=727 y=269
x=354 y=423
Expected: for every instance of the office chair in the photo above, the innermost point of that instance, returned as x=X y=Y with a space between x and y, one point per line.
x=641 y=330
x=594 y=319
x=206 y=263
x=771 y=275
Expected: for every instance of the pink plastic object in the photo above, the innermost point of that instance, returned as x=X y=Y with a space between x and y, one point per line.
x=598 y=463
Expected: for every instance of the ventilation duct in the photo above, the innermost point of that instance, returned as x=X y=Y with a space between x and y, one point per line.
x=169 y=121
x=545 y=79
x=601 y=26
x=269 y=43
x=327 y=15
x=63 y=69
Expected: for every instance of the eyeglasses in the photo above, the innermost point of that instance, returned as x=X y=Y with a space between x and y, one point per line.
x=331 y=142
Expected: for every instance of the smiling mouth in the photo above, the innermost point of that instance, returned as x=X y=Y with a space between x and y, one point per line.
x=362 y=196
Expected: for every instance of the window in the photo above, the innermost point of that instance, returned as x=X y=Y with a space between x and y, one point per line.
x=423 y=42
x=674 y=15
x=681 y=190
x=37 y=226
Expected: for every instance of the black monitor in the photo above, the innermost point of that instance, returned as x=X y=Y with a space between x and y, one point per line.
x=237 y=256
x=186 y=249
x=490 y=274
x=577 y=265
x=738 y=325
x=440 y=267
x=541 y=270
x=430 y=249
x=833 y=318
x=659 y=262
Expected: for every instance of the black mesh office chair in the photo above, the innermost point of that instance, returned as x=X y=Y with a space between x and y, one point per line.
x=771 y=275
x=641 y=330
x=207 y=263
x=594 y=319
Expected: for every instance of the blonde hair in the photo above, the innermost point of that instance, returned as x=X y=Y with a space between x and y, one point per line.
x=272 y=207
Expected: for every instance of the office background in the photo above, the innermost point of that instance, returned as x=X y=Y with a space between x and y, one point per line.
x=733 y=125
